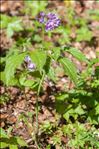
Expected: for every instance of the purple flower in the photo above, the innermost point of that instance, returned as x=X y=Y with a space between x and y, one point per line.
x=41 y=20
x=41 y=17
x=30 y=65
x=50 y=20
x=51 y=16
x=42 y=14
x=52 y=24
x=27 y=59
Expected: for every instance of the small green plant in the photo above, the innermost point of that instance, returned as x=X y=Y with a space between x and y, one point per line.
x=81 y=34
x=10 y=141
x=4 y=98
x=46 y=127
x=80 y=136
x=35 y=7
x=81 y=101
x=11 y=25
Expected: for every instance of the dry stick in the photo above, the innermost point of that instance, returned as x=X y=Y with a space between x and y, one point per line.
x=38 y=93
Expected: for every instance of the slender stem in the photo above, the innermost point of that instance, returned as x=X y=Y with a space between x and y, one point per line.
x=49 y=35
x=40 y=84
x=43 y=34
x=26 y=100
x=37 y=109
x=38 y=93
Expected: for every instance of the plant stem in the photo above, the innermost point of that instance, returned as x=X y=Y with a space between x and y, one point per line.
x=43 y=34
x=26 y=100
x=37 y=109
x=49 y=35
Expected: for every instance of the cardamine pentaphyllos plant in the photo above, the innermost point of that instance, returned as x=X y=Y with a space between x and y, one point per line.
x=50 y=22
x=39 y=62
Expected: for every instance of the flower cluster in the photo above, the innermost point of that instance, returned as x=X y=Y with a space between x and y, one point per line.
x=30 y=65
x=50 y=20
x=41 y=17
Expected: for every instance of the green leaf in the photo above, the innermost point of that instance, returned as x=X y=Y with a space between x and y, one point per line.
x=3 y=133
x=13 y=81
x=93 y=61
x=33 y=7
x=79 y=110
x=21 y=142
x=56 y=139
x=97 y=109
x=3 y=145
x=2 y=76
x=77 y=53
x=62 y=96
x=35 y=74
x=14 y=26
x=84 y=34
x=13 y=146
x=56 y=53
x=69 y=69
x=4 y=21
x=51 y=74
x=48 y=147
x=24 y=82
x=60 y=106
x=47 y=65
x=66 y=116
x=39 y=58
x=11 y=64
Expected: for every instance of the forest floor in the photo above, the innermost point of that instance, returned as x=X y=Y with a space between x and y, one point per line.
x=18 y=112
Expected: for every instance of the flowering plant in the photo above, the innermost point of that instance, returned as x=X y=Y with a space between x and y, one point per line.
x=40 y=62
x=50 y=20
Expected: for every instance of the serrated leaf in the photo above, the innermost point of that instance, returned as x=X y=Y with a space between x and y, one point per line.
x=39 y=58
x=78 y=54
x=69 y=69
x=11 y=64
